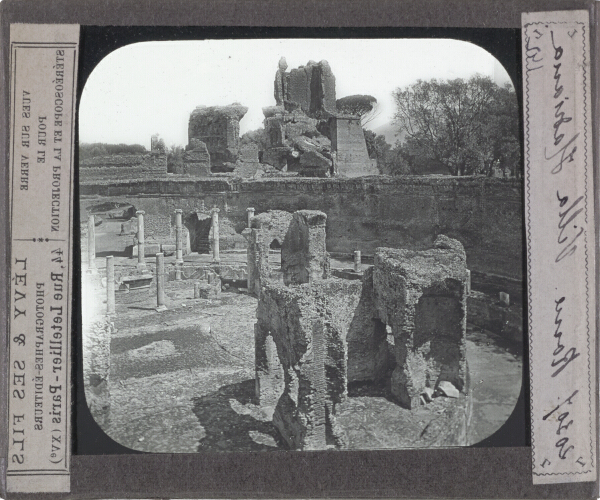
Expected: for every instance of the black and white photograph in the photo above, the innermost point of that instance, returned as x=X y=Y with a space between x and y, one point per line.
x=301 y=244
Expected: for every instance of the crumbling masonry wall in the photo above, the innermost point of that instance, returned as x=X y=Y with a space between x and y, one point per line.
x=301 y=358
x=484 y=214
x=266 y=227
x=218 y=127
x=124 y=166
x=196 y=160
x=310 y=87
x=422 y=296
x=303 y=254
x=315 y=334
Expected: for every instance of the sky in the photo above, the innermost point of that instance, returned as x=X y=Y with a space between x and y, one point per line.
x=152 y=87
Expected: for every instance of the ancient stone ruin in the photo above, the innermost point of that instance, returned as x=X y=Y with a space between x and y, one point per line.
x=310 y=88
x=304 y=134
x=304 y=131
x=422 y=296
x=264 y=229
x=218 y=127
x=316 y=333
x=196 y=159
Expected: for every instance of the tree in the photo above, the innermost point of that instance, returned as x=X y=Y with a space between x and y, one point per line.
x=364 y=106
x=469 y=127
x=258 y=137
x=175 y=159
x=398 y=161
x=87 y=150
x=377 y=148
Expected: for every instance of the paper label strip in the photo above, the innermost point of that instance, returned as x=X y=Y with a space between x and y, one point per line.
x=559 y=211
x=43 y=62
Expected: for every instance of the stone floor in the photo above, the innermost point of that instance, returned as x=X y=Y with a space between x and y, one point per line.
x=182 y=380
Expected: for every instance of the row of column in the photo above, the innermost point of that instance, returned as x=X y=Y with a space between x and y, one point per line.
x=141 y=264
x=179 y=237
x=160 y=258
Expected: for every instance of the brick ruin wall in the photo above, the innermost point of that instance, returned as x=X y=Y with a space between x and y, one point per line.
x=123 y=167
x=158 y=226
x=329 y=331
x=348 y=140
x=312 y=87
x=485 y=215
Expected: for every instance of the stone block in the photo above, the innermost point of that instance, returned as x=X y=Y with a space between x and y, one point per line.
x=151 y=249
x=446 y=388
x=168 y=249
x=348 y=142
x=298 y=124
x=136 y=281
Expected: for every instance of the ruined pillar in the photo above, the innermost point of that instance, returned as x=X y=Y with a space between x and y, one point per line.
x=197 y=290
x=178 y=237
x=357 y=260
x=160 y=282
x=250 y=211
x=110 y=285
x=215 y=228
x=303 y=255
x=300 y=358
x=92 y=245
x=140 y=235
x=468 y=281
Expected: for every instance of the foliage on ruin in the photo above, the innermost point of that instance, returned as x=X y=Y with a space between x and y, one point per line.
x=364 y=106
x=468 y=127
x=175 y=159
x=91 y=150
x=377 y=148
x=257 y=136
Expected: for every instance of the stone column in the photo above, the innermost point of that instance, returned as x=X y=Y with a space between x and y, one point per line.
x=140 y=234
x=92 y=245
x=215 y=228
x=250 y=211
x=110 y=285
x=178 y=237
x=356 y=260
x=160 y=282
x=468 y=281
x=197 y=290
